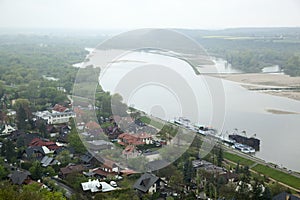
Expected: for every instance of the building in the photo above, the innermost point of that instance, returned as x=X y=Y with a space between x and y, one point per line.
x=71 y=168
x=55 y=117
x=59 y=109
x=48 y=146
x=130 y=152
x=91 y=125
x=209 y=167
x=134 y=139
x=34 y=152
x=8 y=129
x=19 y=177
x=98 y=145
x=148 y=183
x=109 y=166
x=96 y=186
x=285 y=196
x=88 y=158
x=47 y=161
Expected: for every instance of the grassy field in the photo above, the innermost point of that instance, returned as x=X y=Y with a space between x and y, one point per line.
x=154 y=123
x=278 y=175
x=236 y=159
x=265 y=170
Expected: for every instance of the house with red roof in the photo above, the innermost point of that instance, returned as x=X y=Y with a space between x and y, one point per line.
x=109 y=166
x=69 y=169
x=38 y=142
x=92 y=125
x=134 y=139
x=130 y=151
x=59 y=108
x=79 y=112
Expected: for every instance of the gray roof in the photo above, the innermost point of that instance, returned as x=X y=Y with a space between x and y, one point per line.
x=284 y=196
x=46 y=161
x=145 y=182
x=156 y=164
x=18 y=177
x=87 y=157
x=207 y=166
x=34 y=149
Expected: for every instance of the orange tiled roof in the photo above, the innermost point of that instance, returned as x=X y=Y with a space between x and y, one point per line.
x=135 y=139
x=129 y=149
x=108 y=163
x=37 y=142
x=92 y=125
x=59 y=108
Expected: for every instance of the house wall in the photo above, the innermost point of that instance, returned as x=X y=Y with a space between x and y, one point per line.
x=115 y=169
x=62 y=118
x=147 y=140
x=152 y=189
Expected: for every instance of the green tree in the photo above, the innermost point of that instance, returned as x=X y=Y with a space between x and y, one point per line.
x=64 y=157
x=243 y=191
x=3 y=172
x=292 y=66
x=36 y=170
x=1 y=90
x=176 y=180
x=237 y=168
x=227 y=191
x=75 y=142
x=49 y=171
x=8 y=151
x=276 y=188
x=23 y=113
x=32 y=90
x=25 y=192
x=267 y=194
x=75 y=180
x=220 y=157
x=257 y=190
x=41 y=126
x=188 y=171
x=74 y=139
x=246 y=171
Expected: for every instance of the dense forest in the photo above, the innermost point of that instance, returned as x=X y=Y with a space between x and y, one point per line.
x=26 y=58
x=39 y=67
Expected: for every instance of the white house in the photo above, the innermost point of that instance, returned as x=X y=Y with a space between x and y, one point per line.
x=7 y=130
x=56 y=117
x=96 y=186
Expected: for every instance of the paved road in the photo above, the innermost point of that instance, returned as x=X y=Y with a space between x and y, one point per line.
x=69 y=191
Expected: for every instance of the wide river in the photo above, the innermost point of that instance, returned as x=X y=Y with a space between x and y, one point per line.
x=244 y=110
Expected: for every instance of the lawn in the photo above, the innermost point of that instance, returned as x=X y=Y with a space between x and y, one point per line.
x=236 y=159
x=265 y=170
x=278 y=175
x=154 y=123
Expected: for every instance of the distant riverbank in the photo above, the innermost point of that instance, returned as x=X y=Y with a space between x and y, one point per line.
x=257 y=80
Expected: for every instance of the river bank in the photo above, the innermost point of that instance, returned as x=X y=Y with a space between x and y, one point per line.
x=259 y=80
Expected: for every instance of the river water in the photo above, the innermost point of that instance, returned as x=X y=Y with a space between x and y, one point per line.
x=241 y=109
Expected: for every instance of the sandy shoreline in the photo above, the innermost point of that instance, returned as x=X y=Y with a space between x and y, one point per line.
x=253 y=81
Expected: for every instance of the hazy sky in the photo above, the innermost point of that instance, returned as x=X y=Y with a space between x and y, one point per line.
x=119 y=14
